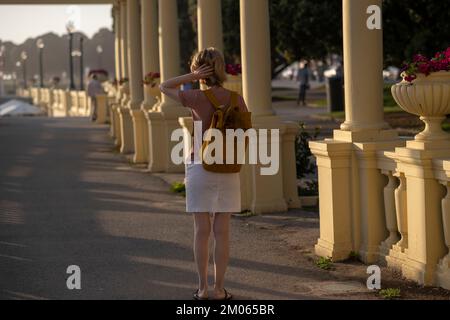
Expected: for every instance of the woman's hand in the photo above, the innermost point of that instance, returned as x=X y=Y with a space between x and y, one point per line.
x=203 y=72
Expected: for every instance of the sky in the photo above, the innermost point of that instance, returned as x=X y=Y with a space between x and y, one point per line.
x=19 y=22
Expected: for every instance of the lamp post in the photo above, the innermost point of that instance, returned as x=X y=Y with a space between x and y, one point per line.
x=81 y=64
x=24 y=57
x=70 y=26
x=99 y=52
x=2 y=67
x=77 y=54
x=40 y=45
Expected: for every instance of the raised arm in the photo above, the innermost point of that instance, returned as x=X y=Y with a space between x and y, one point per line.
x=171 y=86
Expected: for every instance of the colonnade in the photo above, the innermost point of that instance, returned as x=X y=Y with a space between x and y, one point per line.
x=147 y=40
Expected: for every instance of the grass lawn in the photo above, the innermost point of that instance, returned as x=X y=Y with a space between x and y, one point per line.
x=390 y=106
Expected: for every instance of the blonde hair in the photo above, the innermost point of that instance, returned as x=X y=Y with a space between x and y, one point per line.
x=213 y=58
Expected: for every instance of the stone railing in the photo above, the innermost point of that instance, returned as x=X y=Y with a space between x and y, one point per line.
x=59 y=102
x=417 y=216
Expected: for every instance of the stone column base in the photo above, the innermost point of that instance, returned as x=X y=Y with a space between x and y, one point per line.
x=385 y=247
x=126 y=130
x=140 y=131
x=443 y=273
x=113 y=117
x=336 y=251
x=396 y=257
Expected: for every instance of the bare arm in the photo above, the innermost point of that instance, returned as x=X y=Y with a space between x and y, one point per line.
x=171 y=86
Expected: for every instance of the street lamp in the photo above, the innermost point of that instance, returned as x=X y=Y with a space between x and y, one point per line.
x=99 y=52
x=81 y=63
x=24 y=57
x=2 y=67
x=40 y=45
x=79 y=54
x=70 y=26
x=3 y=57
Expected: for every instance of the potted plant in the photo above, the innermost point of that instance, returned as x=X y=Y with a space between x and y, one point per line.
x=151 y=82
x=234 y=77
x=424 y=92
x=124 y=86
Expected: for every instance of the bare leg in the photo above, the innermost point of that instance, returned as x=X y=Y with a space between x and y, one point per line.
x=221 y=251
x=202 y=230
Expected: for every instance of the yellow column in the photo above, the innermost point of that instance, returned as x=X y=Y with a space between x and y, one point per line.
x=150 y=47
x=150 y=62
x=267 y=192
x=123 y=38
x=363 y=68
x=117 y=44
x=209 y=15
x=134 y=54
x=255 y=47
x=363 y=134
x=118 y=65
x=136 y=88
x=126 y=126
x=164 y=119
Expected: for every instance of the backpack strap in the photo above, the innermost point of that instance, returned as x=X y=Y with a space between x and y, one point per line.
x=212 y=98
x=234 y=99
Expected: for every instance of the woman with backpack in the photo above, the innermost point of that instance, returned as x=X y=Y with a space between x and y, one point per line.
x=208 y=194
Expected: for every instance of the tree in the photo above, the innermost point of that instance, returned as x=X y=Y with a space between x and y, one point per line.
x=414 y=26
x=188 y=35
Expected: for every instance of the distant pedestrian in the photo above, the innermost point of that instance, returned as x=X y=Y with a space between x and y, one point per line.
x=94 y=88
x=303 y=79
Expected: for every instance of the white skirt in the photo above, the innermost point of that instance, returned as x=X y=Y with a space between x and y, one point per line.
x=211 y=192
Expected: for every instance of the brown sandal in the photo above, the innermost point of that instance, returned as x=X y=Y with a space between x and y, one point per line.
x=197 y=297
x=228 y=296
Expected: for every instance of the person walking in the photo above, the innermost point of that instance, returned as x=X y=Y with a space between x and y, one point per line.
x=94 y=88
x=303 y=79
x=211 y=197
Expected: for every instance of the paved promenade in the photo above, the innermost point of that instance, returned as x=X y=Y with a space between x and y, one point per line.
x=68 y=198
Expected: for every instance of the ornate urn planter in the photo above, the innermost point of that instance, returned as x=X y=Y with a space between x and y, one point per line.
x=429 y=98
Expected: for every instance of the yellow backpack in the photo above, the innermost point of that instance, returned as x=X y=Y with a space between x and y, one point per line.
x=226 y=117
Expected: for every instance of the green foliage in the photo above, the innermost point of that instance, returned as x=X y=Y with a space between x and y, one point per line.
x=390 y=293
x=304 y=29
x=187 y=17
x=311 y=189
x=303 y=153
x=410 y=27
x=179 y=187
x=324 y=263
x=246 y=214
x=354 y=256
x=231 y=31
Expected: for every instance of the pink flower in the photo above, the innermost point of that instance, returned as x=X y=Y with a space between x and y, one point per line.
x=411 y=78
x=420 y=58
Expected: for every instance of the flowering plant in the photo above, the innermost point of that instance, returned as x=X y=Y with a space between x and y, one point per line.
x=123 y=81
x=233 y=69
x=424 y=65
x=149 y=79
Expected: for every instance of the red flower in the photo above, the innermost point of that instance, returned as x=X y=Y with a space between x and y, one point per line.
x=233 y=69
x=420 y=58
x=421 y=64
